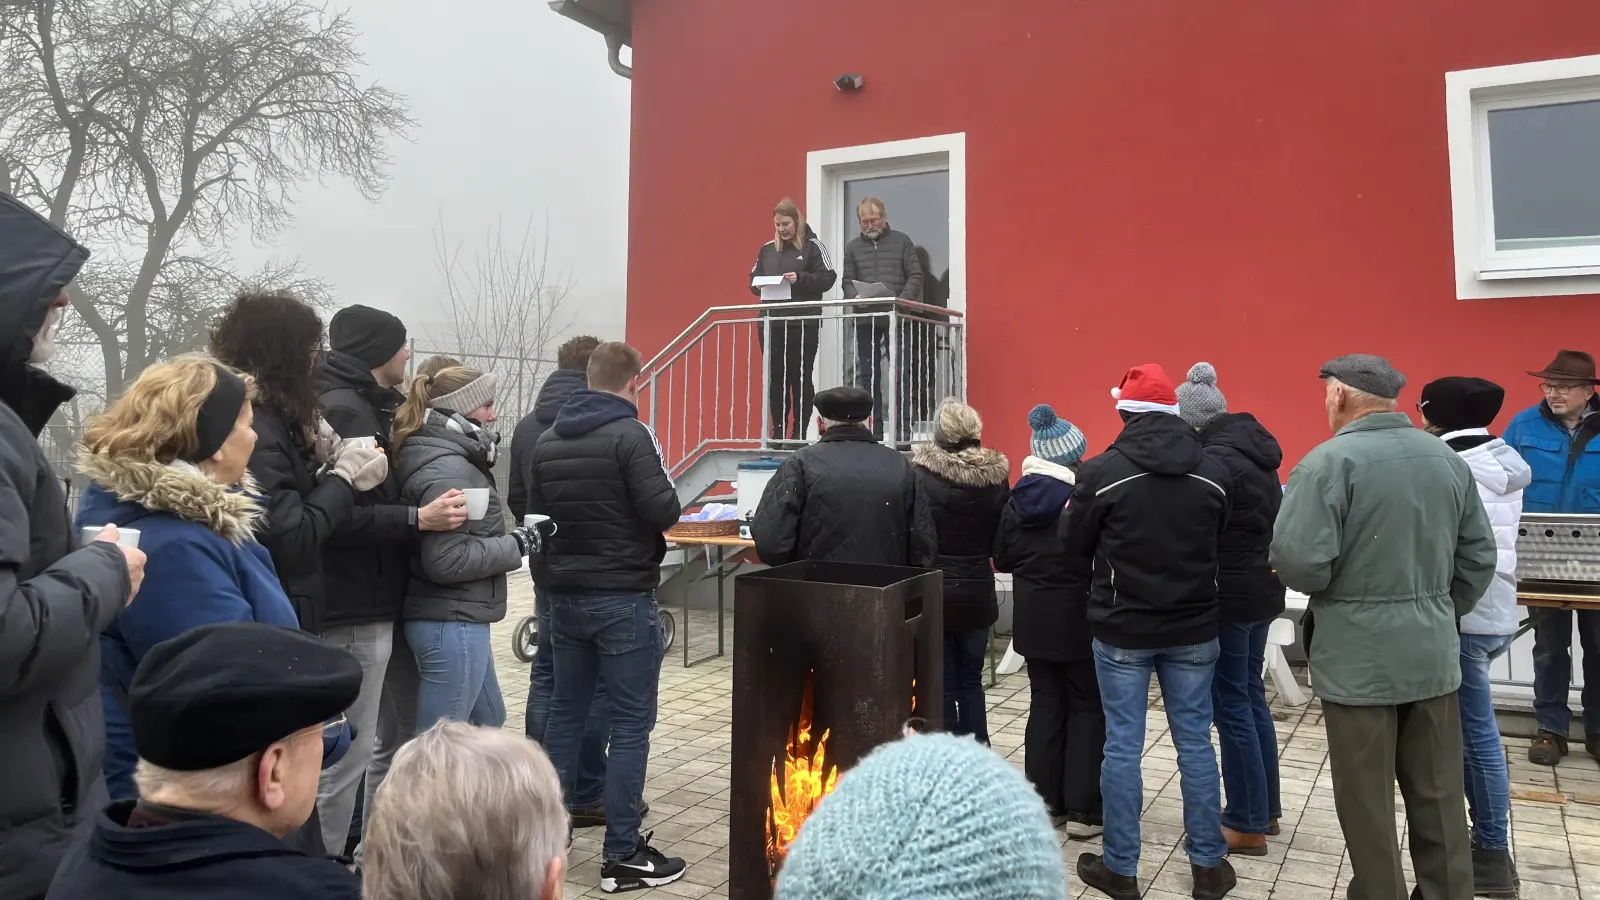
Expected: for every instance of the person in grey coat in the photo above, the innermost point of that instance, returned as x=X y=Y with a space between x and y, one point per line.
x=878 y=255
x=55 y=597
x=443 y=437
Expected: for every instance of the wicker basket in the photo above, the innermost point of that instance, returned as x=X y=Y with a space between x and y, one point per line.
x=691 y=530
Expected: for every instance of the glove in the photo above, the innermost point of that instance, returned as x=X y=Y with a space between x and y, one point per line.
x=528 y=540
x=364 y=467
x=326 y=442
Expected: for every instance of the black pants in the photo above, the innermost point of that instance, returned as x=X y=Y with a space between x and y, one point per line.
x=790 y=390
x=1066 y=737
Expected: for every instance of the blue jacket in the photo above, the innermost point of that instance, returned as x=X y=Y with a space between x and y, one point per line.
x=1566 y=468
x=203 y=566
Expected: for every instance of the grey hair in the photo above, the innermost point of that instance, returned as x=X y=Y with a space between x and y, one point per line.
x=465 y=812
x=209 y=787
x=1364 y=399
x=828 y=423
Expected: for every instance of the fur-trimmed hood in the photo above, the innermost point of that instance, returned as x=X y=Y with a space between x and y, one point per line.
x=974 y=466
x=182 y=490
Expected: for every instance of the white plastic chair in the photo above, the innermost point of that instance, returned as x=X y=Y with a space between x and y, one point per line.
x=1281 y=635
x=1011 y=663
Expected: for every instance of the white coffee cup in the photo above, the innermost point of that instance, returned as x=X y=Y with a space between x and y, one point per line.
x=534 y=520
x=477 y=502
x=126 y=537
x=366 y=443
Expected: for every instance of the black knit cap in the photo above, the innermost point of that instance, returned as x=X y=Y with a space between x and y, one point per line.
x=213 y=695
x=844 y=404
x=370 y=335
x=1457 y=403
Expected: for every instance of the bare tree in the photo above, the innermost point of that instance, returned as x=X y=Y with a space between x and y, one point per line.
x=169 y=125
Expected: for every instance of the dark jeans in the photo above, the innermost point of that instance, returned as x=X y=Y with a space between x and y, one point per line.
x=1246 y=738
x=1418 y=744
x=1066 y=737
x=964 y=653
x=790 y=390
x=617 y=638
x=1552 y=669
x=590 y=790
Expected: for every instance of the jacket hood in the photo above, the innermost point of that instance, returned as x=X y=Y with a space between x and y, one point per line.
x=37 y=260
x=975 y=466
x=126 y=490
x=557 y=390
x=448 y=434
x=340 y=370
x=1498 y=467
x=587 y=410
x=1243 y=433
x=1042 y=492
x=1160 y=443
x=201 y=840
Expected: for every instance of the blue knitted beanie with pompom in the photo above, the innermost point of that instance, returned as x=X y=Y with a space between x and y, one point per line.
x=932 y=817
x=1054 y=438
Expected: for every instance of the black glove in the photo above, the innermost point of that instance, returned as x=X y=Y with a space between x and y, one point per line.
x=528 y=540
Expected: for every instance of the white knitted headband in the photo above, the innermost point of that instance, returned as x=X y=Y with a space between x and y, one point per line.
x=476 y=393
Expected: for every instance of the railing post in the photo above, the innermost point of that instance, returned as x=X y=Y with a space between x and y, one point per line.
x=891 y=390
x=766 y=376
x=653 y=395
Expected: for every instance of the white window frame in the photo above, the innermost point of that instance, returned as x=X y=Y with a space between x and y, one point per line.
x=1482 y=271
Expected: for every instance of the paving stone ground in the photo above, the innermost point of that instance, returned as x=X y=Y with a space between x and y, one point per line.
x=1555 y=812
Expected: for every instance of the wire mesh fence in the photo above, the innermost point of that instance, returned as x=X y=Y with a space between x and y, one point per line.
x=520 y=380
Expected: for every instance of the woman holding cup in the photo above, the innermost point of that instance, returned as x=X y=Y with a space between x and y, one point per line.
x=443 y=440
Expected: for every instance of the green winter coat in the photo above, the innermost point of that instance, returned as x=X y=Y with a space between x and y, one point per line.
x=1382 y=527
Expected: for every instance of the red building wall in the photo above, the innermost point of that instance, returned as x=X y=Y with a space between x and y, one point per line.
x=1263 y=184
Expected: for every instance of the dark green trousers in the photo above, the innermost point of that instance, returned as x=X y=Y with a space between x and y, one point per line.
x=1418 y=745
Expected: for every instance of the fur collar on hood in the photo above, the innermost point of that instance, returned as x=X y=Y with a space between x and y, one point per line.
x=182 y=490
x=974 y=466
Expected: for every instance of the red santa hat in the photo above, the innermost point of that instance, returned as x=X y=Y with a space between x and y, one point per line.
x=1146 y=389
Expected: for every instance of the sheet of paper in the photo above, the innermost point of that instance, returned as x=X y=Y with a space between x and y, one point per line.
x=772 y=292
x=870 y=291
x=766 y=281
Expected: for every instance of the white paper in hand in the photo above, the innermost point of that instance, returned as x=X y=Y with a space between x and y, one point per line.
x=773 y=287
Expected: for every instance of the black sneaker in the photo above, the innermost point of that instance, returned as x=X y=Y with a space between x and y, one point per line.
x=647 y=868
x=1494 y=873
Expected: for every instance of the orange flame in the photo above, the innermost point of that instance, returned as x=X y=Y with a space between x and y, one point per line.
x=803 y=785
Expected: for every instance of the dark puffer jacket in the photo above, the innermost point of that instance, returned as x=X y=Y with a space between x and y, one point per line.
x=1148 y=513
x=557 y=390
x=966 y=493
x=367 y=560
x=456 y=576
x=846 y=498
x=891 y=260
x=1247 y=588
x=598 y=475
x=811 y=265
x=54 y=598
x=1049 y=589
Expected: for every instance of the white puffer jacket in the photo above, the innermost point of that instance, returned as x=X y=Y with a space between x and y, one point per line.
x=1501 y=475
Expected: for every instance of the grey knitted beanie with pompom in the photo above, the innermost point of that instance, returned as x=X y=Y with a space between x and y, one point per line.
x=1199 y=400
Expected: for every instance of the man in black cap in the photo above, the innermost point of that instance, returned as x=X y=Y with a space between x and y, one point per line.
x=233 y=724
x=366 y=563
x=846 y=498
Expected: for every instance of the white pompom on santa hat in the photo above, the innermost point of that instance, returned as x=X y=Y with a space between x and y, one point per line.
x=1146 y=389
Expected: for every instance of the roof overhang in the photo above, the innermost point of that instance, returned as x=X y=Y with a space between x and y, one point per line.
x=612 y=18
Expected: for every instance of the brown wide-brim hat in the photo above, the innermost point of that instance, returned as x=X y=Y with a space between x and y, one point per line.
x=1573 y=365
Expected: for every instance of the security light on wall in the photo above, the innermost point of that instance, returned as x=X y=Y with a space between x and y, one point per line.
x=849 y=82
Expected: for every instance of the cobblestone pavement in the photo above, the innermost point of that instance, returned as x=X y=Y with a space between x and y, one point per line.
x=1555 y=812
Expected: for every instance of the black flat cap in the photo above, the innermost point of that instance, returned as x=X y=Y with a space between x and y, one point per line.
x=844 y=404
x=1458 y=402
x=1366 y=372
x=218 y=693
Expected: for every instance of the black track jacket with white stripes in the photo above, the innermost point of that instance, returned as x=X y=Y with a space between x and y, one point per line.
x=1148 y=513
x=811 y=264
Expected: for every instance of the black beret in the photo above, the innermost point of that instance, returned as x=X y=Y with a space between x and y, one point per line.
x=844 y=404
x=218 y=693
x=370 y=335
x=1457 y=402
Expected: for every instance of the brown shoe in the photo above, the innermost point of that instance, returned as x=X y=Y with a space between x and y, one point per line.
x=1242 y=843
x=1547 y=749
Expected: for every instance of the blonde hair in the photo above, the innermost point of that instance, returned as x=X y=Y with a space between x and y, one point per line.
x=465 y=812
x=444 y=379
x=612 y=365
x=787 y=207
x=154 y=421
x=957 y=422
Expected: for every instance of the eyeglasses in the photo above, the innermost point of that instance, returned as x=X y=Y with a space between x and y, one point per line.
x=1549 y=388
x=328 y=729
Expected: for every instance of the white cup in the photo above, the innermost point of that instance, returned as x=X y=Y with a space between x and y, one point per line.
x=126 y=537
x=477 y=502
x=534 y=520
x=366 y=443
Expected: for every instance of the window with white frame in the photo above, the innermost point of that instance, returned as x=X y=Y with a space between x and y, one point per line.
x=1525 y=178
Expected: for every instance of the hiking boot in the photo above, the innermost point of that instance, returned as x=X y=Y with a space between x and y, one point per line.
x=1213 y=882
x=1243 y=843
x=1092 y=869
x=1547 y=749
x=1494 y=873
x=646 y=868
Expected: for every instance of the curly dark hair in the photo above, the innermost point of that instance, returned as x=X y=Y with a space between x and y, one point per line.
x=272 y=337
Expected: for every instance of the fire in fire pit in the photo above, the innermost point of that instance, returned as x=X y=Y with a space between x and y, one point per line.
x=803 y=784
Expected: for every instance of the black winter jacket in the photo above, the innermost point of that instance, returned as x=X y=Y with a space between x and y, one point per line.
x=846 y=498
x=302 y=513
x=1148 y=513
x=54 y=598
x=811 y=264
x=195 y=857
x=598 y=474
x=557 y=390
x=891 y=260
x=1248 y=590
x=966 y=492
x=367 y=560
x=1049 y=589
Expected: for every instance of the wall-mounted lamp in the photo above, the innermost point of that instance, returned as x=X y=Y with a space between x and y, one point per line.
x=849 y=82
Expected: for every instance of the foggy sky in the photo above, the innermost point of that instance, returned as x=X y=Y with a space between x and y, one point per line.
x=518 y=114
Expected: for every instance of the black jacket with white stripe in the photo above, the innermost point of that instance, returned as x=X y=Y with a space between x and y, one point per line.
x=814 y=273
x=1147 y=514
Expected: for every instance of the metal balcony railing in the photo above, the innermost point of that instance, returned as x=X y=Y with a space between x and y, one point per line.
x=743 y=377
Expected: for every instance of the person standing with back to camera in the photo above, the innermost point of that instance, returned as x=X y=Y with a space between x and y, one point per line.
x=796 y=253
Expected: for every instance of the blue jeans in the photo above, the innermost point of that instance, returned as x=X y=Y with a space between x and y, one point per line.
x=455 y=668
x=1185 y=677
x=963 y=683
x=617 y=639
x=590 y=791
x=1488 y=784
x=1246 y=738
x=1552 y=668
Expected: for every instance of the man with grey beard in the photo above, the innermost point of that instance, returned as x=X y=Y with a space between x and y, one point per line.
x=879 y=255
